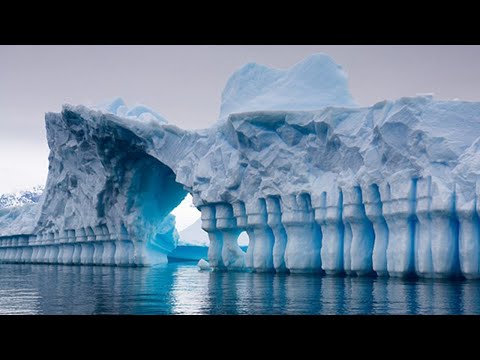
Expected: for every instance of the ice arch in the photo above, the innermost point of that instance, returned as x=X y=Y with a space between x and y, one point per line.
x=108 y=196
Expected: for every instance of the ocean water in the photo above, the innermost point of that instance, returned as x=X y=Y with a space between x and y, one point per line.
x=179 y=288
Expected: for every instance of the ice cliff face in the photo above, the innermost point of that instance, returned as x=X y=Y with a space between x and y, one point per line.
x=389 y=189
x=107 y=185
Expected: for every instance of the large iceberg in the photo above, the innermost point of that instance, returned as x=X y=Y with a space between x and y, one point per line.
x=317 y=183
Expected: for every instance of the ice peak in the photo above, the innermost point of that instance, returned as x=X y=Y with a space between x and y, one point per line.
x=313 y=83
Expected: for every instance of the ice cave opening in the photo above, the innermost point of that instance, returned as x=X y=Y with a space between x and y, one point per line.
x=152 y=195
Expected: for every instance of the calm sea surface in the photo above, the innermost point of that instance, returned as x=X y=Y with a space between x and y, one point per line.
x=181 y=289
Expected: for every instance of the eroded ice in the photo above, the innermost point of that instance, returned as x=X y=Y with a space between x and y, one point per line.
x=389 y=189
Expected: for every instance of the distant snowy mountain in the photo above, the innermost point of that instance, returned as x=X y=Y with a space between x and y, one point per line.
x=21 y=198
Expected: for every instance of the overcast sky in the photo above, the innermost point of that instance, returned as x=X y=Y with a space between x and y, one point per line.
x=184 y=84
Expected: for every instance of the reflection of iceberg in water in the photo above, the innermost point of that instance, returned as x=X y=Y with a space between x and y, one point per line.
x=333 y=295
x=470 y=295
x=182 y=289
x=360 y=297
x=424 y=297
x=447 y=297
x=379 y=294
x=247 y=293
x=88 y=290
x=262 y=287
x=16 y=299
x=307 y=286
x=188 y=299
x=401 y=297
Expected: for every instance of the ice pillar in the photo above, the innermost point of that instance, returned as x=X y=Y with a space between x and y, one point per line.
x=445 y=254
x=302 y=253
x=241 y=218
x=361 y=250
x=374 y=210
x=469 y=234
x=264 y=240
x=280 y=237
x=216 y=240
x=233 y=257
x=399 y=214
x=86 y=256
x=328 y=215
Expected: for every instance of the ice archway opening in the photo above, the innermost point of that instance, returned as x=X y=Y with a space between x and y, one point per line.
x=112 y=198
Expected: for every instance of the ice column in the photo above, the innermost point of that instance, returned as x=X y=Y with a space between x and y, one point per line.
x=241 y=217
x=122 y=248
x=82 y=242
x=54 y=248
x=280 y=242
x=42 y=249
x=34 y=258
x=233 y=257
x=374 y=210
x=61 y=246
x=48 y=251
x=98 y=244
x=28 y=250
x=445 y=257
x=86 y=257
x=399 y=214
x=264 y=240
x=469 y=234
x=77 y=247
x=68 y=247
x=108 y=256
x=216 y=241
x=423 y=238
x=328 y=214
x=302 y=253
x=361 y=250
x=139 y=252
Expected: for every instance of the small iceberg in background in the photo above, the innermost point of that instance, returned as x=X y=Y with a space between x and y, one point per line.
x=203 y=265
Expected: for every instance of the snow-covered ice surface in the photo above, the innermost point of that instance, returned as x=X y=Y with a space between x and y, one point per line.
x=311 y=84
x=390 y=188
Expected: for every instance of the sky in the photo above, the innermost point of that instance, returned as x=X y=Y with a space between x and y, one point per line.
x=184 y=84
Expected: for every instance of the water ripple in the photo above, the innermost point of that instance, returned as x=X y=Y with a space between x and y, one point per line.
x=182 y=289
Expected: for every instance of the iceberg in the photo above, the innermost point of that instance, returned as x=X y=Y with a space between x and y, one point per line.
x=316 y=182
x=203 y=265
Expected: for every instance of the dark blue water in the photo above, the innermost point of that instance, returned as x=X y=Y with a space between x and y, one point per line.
x=181 y=289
